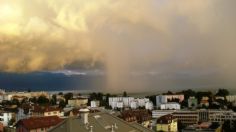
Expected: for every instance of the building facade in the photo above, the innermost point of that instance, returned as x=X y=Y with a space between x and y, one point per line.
x=170 y=106
x=189 y=117
x=162 y=99
x=5 y=117
x=231 y=98
x=130 y=102
x=78 y=102
x=94 y=104
x=46 y=111
x=167 y=123
x=192 y=102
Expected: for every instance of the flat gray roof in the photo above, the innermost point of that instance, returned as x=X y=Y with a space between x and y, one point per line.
x=101 y=122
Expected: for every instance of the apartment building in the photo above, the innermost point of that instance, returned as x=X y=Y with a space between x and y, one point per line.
x=78 y=102
x=162 y=99
x=46 y=111
x=189 y=117
x=6 y=116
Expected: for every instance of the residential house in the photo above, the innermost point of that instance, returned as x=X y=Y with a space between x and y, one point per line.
x=37 y=124
x=46 y=111
x=167 y=123
x=6 y=116
x=78 y=102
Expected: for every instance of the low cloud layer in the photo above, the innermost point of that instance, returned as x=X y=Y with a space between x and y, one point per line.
x=119 y=36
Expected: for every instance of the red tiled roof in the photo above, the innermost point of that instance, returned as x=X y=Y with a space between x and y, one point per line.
x=136 y=115
x=204 y=101
x=39 y=122
x=42 y=109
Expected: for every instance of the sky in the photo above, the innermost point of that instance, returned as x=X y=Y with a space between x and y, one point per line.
x=168 y=43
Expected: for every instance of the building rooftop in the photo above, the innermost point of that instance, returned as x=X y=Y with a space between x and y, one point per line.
x=42 y=109
x=39 y=122
x=79 y=98
x=166 y=119
x=100 y=122
x=136 y=115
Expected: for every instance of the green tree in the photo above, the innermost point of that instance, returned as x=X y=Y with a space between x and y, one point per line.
x=54 y=99
x=15 y=102
x=107 y=101
x=25 y=100
x=234 y=126
x=152 y=98
x=208 y=94
x=181 y=126
x=214 y=125
x=188 y=93
x=68 y=96
x=204 y=106
x=26 y=111
x=62 y=104
x=100 y=96
x=42 y=100
x=222 y=92
x=33 y=100
x=29 y=90
x=226 y=126
x=11 y=122
x=93 y=96
x=124 y=94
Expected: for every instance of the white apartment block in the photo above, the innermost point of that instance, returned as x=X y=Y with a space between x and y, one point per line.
x=231 y=98
x=170 y=106
x=129 y=102
x=162 y=99
x=94 y=104
x=149 y=105
x=125 y=100
x=5 y=117
x=134 y=105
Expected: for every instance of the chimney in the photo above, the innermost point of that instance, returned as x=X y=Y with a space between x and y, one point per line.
x=91 y=129
x=116 y=127
x=84 y=115
x=112 y=128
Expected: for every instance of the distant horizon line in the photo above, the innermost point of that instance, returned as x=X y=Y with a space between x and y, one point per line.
x=121 y=92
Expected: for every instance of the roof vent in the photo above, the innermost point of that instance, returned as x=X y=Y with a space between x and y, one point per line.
x=97 y=116
x=87 y=126
x=116 y=127
x=91 y=129
x=112 y=128
x=84 y=115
